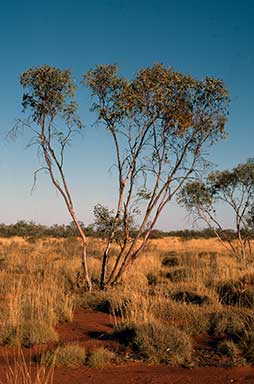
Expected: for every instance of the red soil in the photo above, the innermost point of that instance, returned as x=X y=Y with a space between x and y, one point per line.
x=89 y=329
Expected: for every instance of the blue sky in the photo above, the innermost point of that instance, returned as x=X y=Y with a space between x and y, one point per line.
x=214 y=38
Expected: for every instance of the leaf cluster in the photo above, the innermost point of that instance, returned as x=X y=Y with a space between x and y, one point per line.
x=49 y=92
x=179 y=102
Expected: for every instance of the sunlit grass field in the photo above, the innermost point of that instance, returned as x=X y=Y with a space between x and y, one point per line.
x=177 y=292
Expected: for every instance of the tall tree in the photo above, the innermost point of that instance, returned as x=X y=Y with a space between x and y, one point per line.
x=235 y=189
x=53 y=120
x=160 y=123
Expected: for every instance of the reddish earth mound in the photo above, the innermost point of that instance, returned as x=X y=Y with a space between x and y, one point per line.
x=89 y=328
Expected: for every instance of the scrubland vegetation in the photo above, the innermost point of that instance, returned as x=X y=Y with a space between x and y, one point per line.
x=176 y=301
x=180 y=293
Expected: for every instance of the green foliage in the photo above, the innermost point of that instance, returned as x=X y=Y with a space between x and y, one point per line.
x=236 y=293
x=176 y=275
x=105 y=222
x=195 y=194
x=152 y=279
x=228 y=348
x=32 y=230
x=69 y=356
x=170 y=261
x=159 y=122
x=189 y=297
x=111 y=302
x=100 y=357
x=158 y=343
x=228 y=323
x=28 y=334
x=48 y=88
x=234 y=187
x=176 y=98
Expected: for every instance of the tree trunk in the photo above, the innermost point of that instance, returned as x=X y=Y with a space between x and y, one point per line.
x=84 y=263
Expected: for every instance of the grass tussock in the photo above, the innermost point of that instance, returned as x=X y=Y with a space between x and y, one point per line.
x=69 y=356
x=157 y=343
x=28 y=334
x=100 y=358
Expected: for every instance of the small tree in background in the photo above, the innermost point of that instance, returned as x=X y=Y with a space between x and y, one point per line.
x=235 y=188
x=52 y=120
x=160 y=123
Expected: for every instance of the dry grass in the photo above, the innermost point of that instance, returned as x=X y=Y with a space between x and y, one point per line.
x=100 y=358
x=21 y=372
x=69 y=356
x=174 y=282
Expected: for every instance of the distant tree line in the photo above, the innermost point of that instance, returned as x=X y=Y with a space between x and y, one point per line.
x=32 y=230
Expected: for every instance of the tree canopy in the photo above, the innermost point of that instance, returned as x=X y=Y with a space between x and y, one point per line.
x=235 y=188
x=160 y=122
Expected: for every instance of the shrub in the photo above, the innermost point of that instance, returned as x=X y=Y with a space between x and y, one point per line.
x=248 y=278
x=69 y=355
x=228 y=323
x=108 y=302
x=177 y=275
x=125 y=334
x=190 y=298
x=236 y=294
x=99 y=358
x=28 y=334
x=151 y=278
x=228 y=348
x=248 y=348
x=170 y=260
x=157 y=343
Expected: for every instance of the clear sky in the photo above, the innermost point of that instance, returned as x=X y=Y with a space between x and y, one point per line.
x=198 y=37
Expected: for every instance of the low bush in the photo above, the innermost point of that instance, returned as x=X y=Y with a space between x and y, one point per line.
x=28 y=334
x=228 y=348
x=69 y=355
x=99 y=358
x=235 y=293
x=110 y=302
x=171 y=260
x=177 y=275
x=157 y=343
x=230 y=324
x=151 y=279
x=190 y=298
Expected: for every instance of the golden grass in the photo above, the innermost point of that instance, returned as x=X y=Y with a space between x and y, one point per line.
x=23 y=372
x=38 y=285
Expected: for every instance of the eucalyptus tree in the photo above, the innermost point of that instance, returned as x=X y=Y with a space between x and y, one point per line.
x=161 y=122
x=52 y=120
x=235 y=189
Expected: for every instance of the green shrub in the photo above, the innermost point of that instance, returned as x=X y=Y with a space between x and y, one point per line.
x=177 y=275
x=228 y=323
x=228 y=348
x=151 y=279
x=125 y=334
x=157 y=342
x=69 y=355
x=236 y=294
x=28 y=334
x=99 y=358
x=111 y=302
x=247 y=347
x=170 y=261
x=190 y=298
